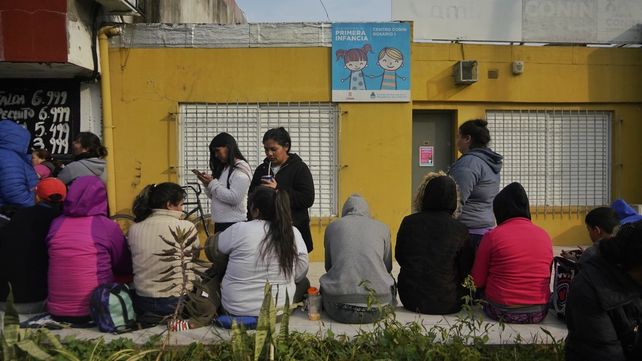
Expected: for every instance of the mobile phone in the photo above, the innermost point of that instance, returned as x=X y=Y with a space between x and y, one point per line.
x=197 y=172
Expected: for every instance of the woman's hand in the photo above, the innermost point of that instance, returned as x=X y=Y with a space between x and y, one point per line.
x=205 y=178
x=271 y=183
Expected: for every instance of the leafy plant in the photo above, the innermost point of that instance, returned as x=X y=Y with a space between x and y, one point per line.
x=18 y=343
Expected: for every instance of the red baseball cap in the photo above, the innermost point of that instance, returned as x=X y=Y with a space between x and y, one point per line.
x=51 y=189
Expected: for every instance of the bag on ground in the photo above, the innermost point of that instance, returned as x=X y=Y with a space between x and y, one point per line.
x=564 y=270
x=112 y=309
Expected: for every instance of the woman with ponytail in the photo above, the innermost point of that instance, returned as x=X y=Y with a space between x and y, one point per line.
x=266 y=249
x=158 y=209
x=89 y=159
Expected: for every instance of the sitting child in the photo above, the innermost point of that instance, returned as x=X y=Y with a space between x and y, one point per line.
x=601 y=223
x=158 y=210
x=85 y=248
x=513 y=262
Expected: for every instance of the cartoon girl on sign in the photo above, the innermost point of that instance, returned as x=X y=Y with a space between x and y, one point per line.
x=355 y=60
x=390 y=60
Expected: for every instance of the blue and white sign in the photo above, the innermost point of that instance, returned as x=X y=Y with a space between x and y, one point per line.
x=371 y=62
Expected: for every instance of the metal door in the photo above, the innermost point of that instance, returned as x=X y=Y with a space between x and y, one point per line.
x=432 y=143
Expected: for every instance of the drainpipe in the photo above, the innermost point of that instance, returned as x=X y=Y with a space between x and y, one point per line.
x=108 y=128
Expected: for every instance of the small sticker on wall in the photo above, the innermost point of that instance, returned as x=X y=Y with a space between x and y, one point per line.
x=426 y=154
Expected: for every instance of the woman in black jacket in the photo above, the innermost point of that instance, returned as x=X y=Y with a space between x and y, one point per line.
x=604 y=308
x=286 y=171
x=434 y=250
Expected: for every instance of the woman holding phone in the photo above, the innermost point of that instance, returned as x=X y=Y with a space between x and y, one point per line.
x=285 y=171
x=227 y=187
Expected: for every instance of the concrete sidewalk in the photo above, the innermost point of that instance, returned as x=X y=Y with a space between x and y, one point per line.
x=498 y=334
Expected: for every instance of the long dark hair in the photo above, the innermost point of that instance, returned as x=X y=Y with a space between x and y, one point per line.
x=233 y=153
x=279 y=135
x=478 y=131
x=91 y=142
x=156 y=196
x=274 y=207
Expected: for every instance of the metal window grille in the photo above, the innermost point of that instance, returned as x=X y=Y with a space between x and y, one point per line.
x=561 y=157
x=312 y=127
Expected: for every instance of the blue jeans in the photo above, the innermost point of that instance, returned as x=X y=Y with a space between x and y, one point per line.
x=161 y=306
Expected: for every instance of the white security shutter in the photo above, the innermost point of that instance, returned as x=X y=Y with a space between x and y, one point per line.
x=562 y=158
x=312 y=127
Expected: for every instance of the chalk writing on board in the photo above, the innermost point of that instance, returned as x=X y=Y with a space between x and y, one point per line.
x=48 y=108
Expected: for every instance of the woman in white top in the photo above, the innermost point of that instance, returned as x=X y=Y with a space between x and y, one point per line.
x=158 y=209
x=228 y=185
x=266 y=249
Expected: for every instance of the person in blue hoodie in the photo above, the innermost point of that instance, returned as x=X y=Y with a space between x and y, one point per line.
x=476 y=173
x=17 y=178
x=625 y=213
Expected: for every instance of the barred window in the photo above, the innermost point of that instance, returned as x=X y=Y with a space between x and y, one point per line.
x=561 y=157
x=312 y=127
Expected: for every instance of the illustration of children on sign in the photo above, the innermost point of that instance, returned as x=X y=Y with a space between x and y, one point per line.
x=355 y=60
x=390 y=60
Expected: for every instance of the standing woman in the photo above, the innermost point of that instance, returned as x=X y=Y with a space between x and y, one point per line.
x=89 y=159
x=286 y=171
x=476 y=173
x=228 y=185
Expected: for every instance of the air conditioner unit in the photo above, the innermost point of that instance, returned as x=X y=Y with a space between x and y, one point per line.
x=465 y=72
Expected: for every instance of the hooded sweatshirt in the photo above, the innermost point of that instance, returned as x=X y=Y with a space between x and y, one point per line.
x=85 y=247
x=477 y=175
x=604 y=306
x=513 y=262
x=17 y=176
x=83 y=167
x=434 y=252
x=357 y=249
x=625 y=213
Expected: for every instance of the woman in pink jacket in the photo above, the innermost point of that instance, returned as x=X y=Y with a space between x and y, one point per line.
x=86 y=249
x=513 y=262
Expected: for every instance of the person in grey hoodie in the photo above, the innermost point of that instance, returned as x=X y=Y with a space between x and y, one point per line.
x=358 y=261
x=476 y=173
x=89 y=159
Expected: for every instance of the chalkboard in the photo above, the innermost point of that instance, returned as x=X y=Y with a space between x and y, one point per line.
x=48 y=108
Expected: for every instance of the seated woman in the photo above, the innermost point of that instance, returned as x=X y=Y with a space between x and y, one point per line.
x=266 y=249
x=86 y=249
x=513 y=262
x=357 y=248
x=604 y=308
x=434 y=250
x=158 y=209
x=23 y=252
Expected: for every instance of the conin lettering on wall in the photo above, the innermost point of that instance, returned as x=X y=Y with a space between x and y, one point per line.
x=552 y=21
x=48 y=108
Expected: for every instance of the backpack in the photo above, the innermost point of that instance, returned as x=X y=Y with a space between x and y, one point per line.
x=112 y=309
x=564 y=270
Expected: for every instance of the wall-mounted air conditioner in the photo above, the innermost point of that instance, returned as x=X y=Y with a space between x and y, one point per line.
x=465 y=72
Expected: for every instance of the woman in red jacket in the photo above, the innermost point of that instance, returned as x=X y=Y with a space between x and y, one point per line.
x=513 y=262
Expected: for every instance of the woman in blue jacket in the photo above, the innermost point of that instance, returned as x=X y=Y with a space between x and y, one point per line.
x=17 y=178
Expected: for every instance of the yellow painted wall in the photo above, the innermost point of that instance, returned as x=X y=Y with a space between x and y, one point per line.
x=374 y=139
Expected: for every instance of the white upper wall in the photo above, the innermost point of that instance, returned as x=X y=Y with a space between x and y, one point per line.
x=550 y=21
